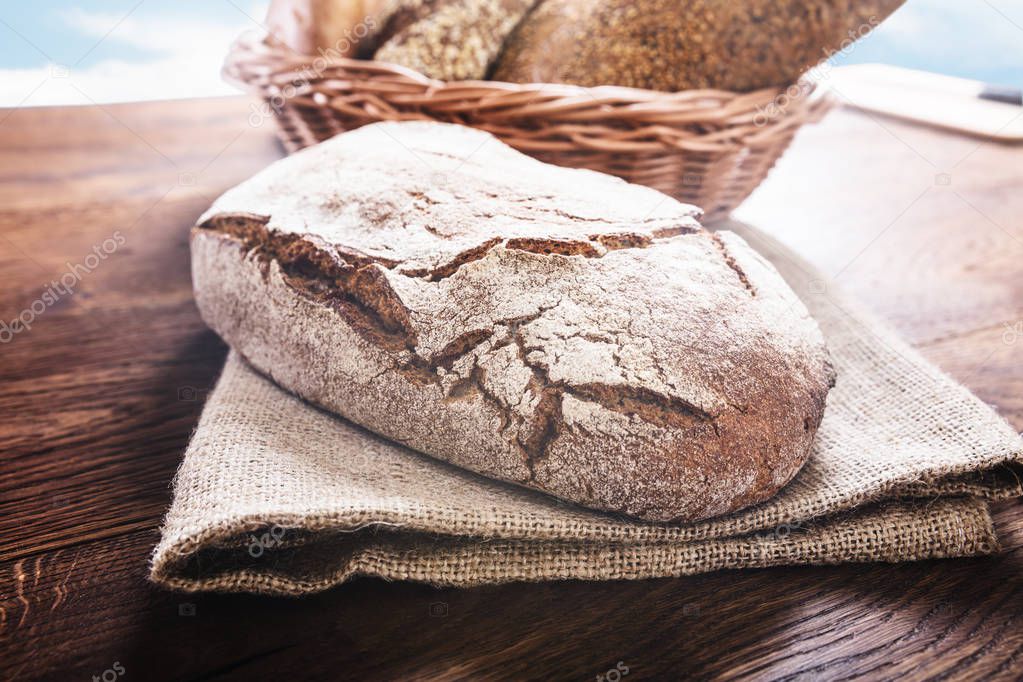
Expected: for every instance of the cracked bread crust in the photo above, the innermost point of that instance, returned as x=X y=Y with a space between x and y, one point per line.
x=556 y=328
x=449 y=40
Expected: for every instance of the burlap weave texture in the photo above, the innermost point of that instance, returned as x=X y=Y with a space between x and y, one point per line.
x=276 y=496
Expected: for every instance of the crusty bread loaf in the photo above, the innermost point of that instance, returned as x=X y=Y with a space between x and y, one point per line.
x=449 y=39
x=672 y=45
x=556 y=328
x=333 y=28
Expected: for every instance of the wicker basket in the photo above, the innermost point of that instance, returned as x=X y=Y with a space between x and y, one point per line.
x=710 y=148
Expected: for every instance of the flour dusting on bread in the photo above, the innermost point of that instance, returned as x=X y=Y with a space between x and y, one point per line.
x=556 y=328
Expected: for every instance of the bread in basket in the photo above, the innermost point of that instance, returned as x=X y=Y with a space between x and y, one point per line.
x=709 y=147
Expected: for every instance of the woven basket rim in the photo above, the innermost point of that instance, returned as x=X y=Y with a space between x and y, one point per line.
x=256 y=63
x=706 y=147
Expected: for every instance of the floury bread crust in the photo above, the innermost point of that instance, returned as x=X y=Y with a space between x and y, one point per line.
x=556 y=328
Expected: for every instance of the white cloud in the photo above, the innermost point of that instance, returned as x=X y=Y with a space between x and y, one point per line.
x=170 y=34
x=977 y=33
x=185 y=61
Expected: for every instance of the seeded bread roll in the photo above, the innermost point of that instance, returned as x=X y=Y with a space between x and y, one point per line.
x=449 y=39
x=556 y=328
x=671 y=45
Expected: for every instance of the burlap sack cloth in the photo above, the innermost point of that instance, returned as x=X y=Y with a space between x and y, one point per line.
x=276 y=496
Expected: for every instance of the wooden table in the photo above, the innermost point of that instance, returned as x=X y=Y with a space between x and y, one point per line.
x=98 y=399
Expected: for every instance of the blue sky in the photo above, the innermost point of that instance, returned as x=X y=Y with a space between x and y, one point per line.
x=978 y=39
x=67 y=30
x=63 y=52
x=115 y=50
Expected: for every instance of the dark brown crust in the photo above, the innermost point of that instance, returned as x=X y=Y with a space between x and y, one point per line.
x=369 y=304
x=564 y=247
x=421 y=35
x=356 y=289
x=363 y=297
x=451 y=267
x=733 y=265
x=665 y=373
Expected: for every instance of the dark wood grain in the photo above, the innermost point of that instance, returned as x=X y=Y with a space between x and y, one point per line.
x=99 y=397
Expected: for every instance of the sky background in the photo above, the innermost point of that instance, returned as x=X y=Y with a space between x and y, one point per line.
x=60 y=52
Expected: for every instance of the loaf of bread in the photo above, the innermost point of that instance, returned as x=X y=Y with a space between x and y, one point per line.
x=673 y=45
x=336 y=28
x=556 y=328
x=449 y=39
